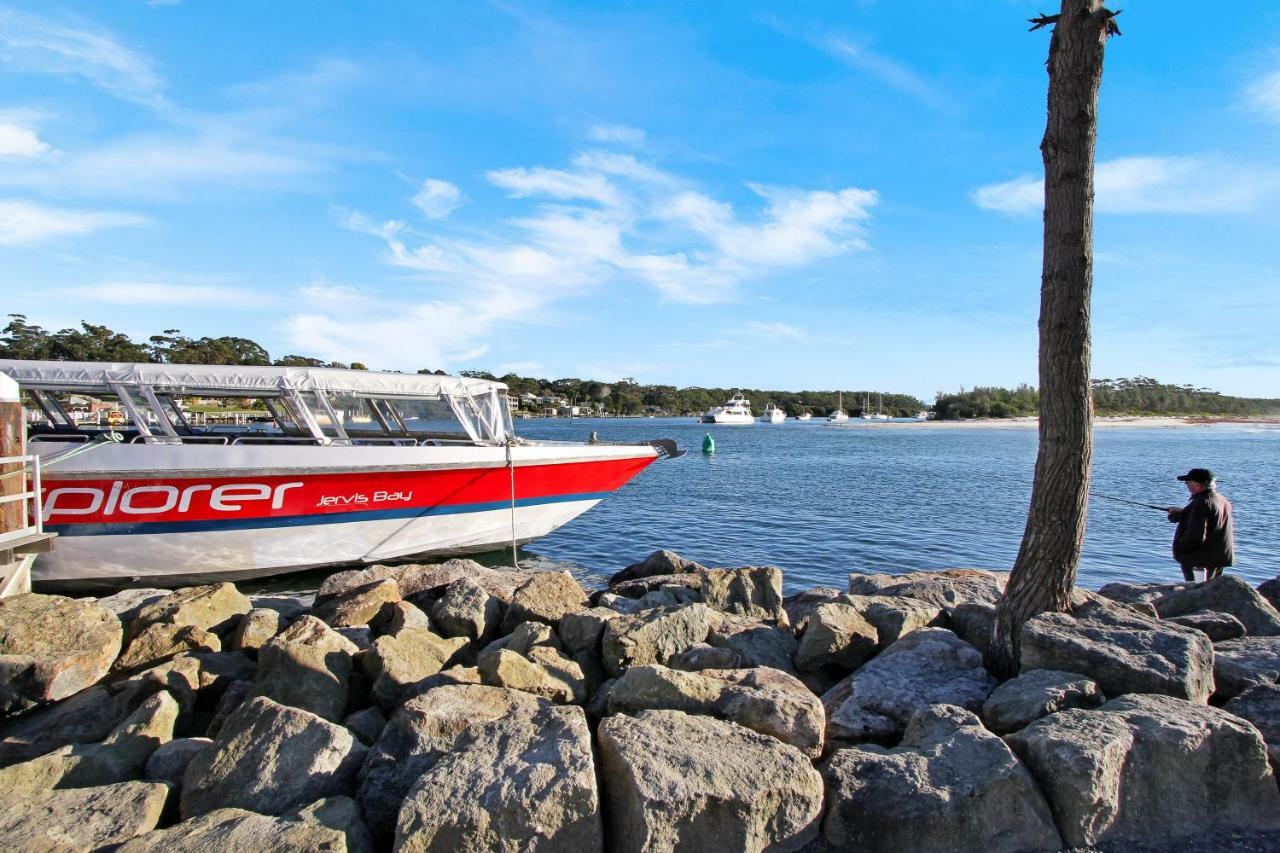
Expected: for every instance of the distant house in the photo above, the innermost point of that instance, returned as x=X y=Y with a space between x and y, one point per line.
x=569 y=411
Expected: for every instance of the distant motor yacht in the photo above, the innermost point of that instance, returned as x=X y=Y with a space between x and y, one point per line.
x=773 y=415
x=736 y=411
x=806 y=416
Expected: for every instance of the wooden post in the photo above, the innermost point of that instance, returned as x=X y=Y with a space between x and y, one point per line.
x=12 y=481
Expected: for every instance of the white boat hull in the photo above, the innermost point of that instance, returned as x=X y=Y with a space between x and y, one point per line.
x=728 y=419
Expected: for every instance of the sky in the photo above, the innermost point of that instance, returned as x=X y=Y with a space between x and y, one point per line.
x=811 y=195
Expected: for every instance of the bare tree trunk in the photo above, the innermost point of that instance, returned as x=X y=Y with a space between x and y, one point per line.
x=1045 y=571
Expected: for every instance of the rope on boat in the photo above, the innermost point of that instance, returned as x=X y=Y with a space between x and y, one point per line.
x=511 y=467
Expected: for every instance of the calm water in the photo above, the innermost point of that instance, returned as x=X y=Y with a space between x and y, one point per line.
x=820 y=500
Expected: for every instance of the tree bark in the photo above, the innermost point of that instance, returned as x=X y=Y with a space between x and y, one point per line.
x=1045 y=570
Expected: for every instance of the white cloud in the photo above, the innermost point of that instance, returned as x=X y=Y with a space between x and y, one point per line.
x=1192 y=185
x=158 y=293
x=619 y=133
x=26 y=222
x=18 y=141
x=1264 y=96
x=781 y=330
x=568 y=186
x=437 y=199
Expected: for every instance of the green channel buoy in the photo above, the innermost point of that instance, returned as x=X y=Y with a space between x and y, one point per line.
x=708 y=444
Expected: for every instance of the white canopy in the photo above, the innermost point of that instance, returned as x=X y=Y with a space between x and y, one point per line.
x=229 y=380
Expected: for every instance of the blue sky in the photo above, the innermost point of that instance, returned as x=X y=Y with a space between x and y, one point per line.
x=804 y=195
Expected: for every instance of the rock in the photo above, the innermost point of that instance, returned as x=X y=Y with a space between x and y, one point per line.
x=544 y=597
x=216 y=607
x=240 y=830
x=96 y=818
x=675 y=781
x=341 y=814
x=358 y=606
x=366 y=724
x=895 y=619
x=308 y=666
x=702 y=656
x=422 y=731
x=764 y=700
x=1244 y=663
x=944 y=589
x=1260 y=705
x=1037 y=693
x=52 y=647
x=255 y=629
x=759 y=644
x=836 y=635
x=217 y=671
x=652 y=636
x=232 y=698
x=1148 y=768
x=1139 y=593
x=801 y=605
x=270 y=758
x=529 y=635
x=128 y=603
x=931 y=666
x=1123 y=651
x=120 y=758
x=640 y=587
x=396 y=663
x=469 y=799
x=950 y=785
x=289 y=607
x=159 y=642
x=169 y=762
x=1226 y=594
x=973 y=622
x=581 y=631
x=395 y=617
x=466 y=610
x=92 y=714
x=1214 y=625
x=657 y=598
x=427 y=581
x=617 y=603
x=1270 y=590
x=545 y=673
x=361 y=636
x=752 y=591
x=656 y=564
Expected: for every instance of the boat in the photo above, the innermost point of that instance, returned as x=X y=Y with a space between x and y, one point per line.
x=773 y=415
x=868 y=415
x=736 y=411
x=839 y=415
x=352 y=467
x=804 y=417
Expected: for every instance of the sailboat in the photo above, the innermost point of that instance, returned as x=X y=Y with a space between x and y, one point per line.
x=839 y=415
x=867 y=414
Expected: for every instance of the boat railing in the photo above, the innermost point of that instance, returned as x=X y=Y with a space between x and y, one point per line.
x=273 y=439
x=181 y=439
x=65 y=436
x=31 y=501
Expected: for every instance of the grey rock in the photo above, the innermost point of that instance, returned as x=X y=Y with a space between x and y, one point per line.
x=214 y=607
x=544 y=672
x=652 y=636
x=657 y=598
x=289 y=607
x=519 y=783
x=427 y=581
x=675 y=781
x=761 y=699
x=127 y=603
x=944 y=589
x=1037 y=693
x=169 y=762
x=1226 y=594
x=52 y=647
x=466 y=610
x=896 y=618
x=702 y=656
x=973 y=622
x=270 y=758
x=801 y=605
x=1260 y=705
x=366 y=724
x=360 y=636
x=1270 y=590
x=308 y=666
x=255 y=629
x=1122 y=650
x=232 y=698
x=950 y=785
x=341 y=814
x=657 y=564
x=159 y=642
x=1149 y=767
x=420 y=733
x=640 y=587
x=358 y=606
x=78 y=819
x=581 y=631
x=1126 y=592
x=529 y=635
x=751 y=591
x=544 y=597
x=395 y=617
x=1214 y=625
x=240 y=830
x=617 y=603
x=836 y=635
x=930 y=666
x=1244 y=663
x=395 y=664
x=759 y=643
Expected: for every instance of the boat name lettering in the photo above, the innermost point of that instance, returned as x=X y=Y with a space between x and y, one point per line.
x=360 y=499
x=157 y=499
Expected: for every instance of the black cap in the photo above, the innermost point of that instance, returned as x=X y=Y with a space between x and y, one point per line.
x=1197 y=475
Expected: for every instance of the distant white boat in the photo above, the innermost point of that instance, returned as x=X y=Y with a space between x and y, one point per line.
x=839 y=415
x=806 y=416
x=868 y=415
x=736 y=411
x=773 y=415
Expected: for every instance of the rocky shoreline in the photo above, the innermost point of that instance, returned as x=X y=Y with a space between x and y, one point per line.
x=455 y=707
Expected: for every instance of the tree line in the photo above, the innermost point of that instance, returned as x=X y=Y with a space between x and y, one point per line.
x=1140 y=395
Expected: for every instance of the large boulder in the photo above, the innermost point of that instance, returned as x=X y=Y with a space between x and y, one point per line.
x=759 y=643
x=1147 y=768
x=1122 y=650
x=950 y=785
x=675 y=781
x=1270 y=590
x=358 y=606
x=257 y=627
x=542 y=671
x=702 y=656
x=973 y=622
x=582 y=631
x=169 y=762
x=752 y=591
x=518 y=783
x=836 y=635
x=215 y=607
x=128 y=603
x=159 y=642
x=1244 y=663
x=1225 y=594
x=341 y=814
x=271 y=758
x=424 y=583
x=896 y=617
x=944 y=589
x=800 y=607
x=652 y=636
x=545 y=597
x=656 y=564
x=52 y=647
x=420 y=733
x=97 y=818
x=761 y=699
x=1260 y=705
x=1037 y=693
x=640 y=588
x=397 y=664
x=1214 y=625
x=1139 y=594
x=240 y=830
x=308 y=666
x=466 y=610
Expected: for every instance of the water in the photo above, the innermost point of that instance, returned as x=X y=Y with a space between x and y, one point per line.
x=821 y=501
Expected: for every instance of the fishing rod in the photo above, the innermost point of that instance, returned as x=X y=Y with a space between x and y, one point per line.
x=1129 y=502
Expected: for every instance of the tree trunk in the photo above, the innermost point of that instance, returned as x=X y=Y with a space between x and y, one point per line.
x=1045 y=570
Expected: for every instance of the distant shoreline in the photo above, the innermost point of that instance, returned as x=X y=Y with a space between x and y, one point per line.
x=1109 y=422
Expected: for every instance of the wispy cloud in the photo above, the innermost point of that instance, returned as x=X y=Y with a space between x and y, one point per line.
x=148 y=293
x=1178 y=185
x=437 y=199
x=18 y=141
x=27 y=222
x=1263 y=95
x=617 y=133
x=780 y=330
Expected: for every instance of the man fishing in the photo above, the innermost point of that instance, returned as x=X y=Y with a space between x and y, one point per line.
x=1204 y=538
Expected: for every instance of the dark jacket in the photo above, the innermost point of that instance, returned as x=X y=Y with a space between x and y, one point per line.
x=1204 y=537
